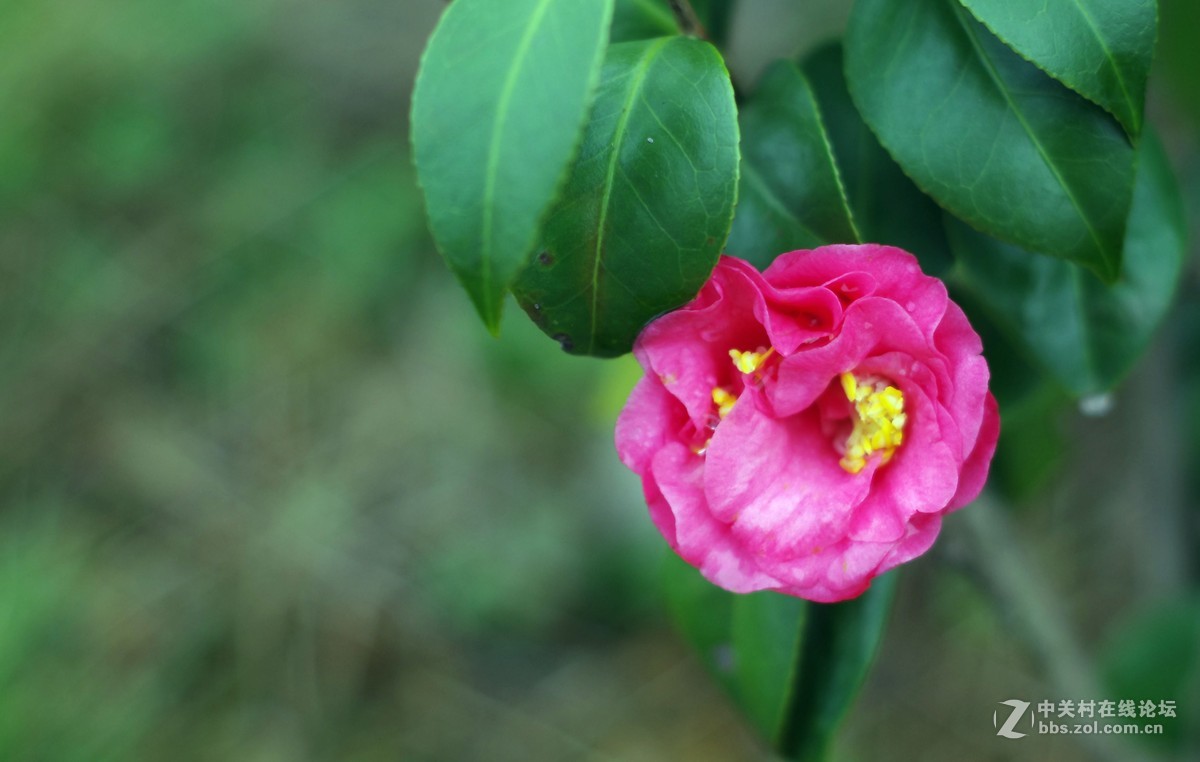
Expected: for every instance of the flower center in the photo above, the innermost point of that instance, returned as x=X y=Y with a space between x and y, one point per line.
x=723 y=399
x=747 y=363
x=879 y=420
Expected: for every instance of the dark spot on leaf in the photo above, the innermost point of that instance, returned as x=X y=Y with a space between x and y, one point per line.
x=545 y=259
x=710 y=240
x=565 y=341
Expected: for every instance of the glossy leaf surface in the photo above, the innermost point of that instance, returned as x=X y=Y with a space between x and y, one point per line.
x=1085 y=333
x=649 y=201
x=1101 y=49
x=987 y=134
x=498 y=111
x=787 y=151
x=887 y=207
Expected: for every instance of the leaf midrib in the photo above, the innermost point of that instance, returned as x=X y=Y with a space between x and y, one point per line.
x=638 y=78
x=994 y=75
x=1111 y=59
x=493 y=164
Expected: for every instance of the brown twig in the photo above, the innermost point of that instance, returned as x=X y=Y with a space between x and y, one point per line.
x=689 y=22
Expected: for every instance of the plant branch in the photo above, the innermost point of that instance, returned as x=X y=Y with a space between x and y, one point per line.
x=1025 y=600
x=685 y=16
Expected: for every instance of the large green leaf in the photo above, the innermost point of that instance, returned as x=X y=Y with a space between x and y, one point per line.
x=648 y=205
x=1101 y=49
x=763 y=227
x=987 y=134
x=793 y=667
x=766 y=632
x=886 y=206
x=786 y=151
x=1085 y=333
x=497 y=113
x=809 y=164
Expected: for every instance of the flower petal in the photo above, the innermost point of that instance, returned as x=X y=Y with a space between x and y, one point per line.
x=700 y=539
x=975 y=468
x=689 y=349
x=648 y=421
x=778 y=483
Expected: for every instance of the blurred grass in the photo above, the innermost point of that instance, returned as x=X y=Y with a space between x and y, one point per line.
x=267 y=489
x=266 y=485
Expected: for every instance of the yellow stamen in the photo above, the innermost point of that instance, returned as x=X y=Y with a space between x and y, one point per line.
x=748 y=362
x=879 y=423
x=723 y=400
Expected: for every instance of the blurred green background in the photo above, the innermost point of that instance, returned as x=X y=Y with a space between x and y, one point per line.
x=271 y=492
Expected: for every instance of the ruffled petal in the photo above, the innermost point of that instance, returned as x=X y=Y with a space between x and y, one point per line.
x=892 y=274
x=975 y=468
x=689 y=349
x=651 y=417
x=961 y=346
x=779 y=484
x=701 y=539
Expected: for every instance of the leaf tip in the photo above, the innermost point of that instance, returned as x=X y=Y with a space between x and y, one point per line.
x=487 y=304
x=491 y=318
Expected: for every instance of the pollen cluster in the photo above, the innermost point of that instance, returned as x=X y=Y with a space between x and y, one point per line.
x=723 y=400
x=879 y=420
x=748 y=362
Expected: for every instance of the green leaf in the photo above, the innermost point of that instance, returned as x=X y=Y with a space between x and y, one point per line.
x=786 y=149
x=887 y=207
x=641 y=20
x=988 y=135
x=793 y=667
x=648 y=205
x=763 y=228
x=766 y=635
x=812 y=173
x=1085 y=334
x=1032 y=406
x=498 y=110
x=1101 y=49
x=1034 y=444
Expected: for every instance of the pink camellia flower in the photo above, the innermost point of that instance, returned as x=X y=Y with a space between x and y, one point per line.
x=806 y=428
